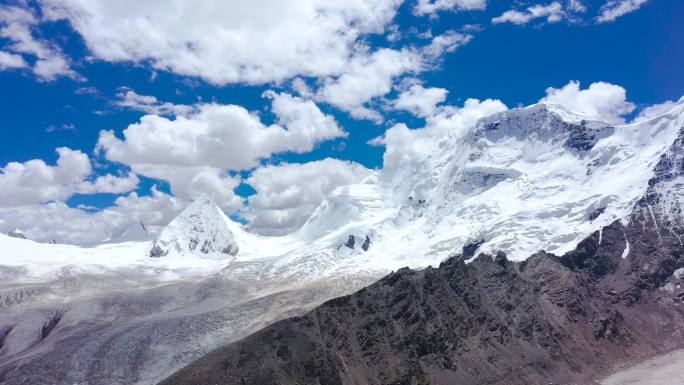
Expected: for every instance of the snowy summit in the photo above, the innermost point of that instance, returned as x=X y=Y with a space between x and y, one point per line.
x=202 y=228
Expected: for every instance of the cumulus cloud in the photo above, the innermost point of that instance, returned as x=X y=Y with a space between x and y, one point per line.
x=193 y=152
x=286 y=194
x=16 y=26
x=221 y=136
x=368 y=77
x=57 y=221
x=431 y=7
x=656 y=110
x=420 y=101
x=129 y=99
x=405 y=148
x=35 y=181
x=602 y=101
x=553 y=13
x=109 y=184
x=446 y=42
x=11 y=61
x=613 y=9
x=191 y=182
x=227 y=42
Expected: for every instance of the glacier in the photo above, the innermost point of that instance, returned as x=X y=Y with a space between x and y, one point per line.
x=135 y=310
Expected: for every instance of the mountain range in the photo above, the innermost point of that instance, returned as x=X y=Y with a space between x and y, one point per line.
x=554 y=234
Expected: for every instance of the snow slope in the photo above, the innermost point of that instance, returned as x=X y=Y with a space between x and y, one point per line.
x=202 y=228
x=523 y=180
x=137 y=232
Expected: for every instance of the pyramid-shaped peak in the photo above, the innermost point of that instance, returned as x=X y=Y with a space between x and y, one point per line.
x=137 y=232
x=202 y=229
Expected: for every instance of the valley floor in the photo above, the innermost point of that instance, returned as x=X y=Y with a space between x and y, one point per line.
x=666 y=369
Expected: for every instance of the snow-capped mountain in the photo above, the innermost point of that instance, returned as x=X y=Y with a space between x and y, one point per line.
x=202 y=228
x=137 y=232
x=537 y=178
x=520 y=181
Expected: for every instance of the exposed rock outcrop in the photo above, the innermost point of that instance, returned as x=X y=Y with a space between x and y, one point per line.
x=17 y=234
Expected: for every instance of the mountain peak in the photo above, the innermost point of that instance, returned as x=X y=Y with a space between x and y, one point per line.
x=545 y=122
x=137 y=232
x=17 y=233
x=202 y=229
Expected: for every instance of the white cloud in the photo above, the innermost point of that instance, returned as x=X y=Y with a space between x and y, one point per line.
x=420 y=101
x=11 y=61
x=128 y=98
x=156 y=209
x=601 y=101
x=35 y=181
x=193 y=152
x=221 y=136
x=86 y=91
x=368 y=77
x=656 y=110
x=431 y=7
x=553 y=13
x=288 y=193
x=57 y=221
x=109 y=184
x=60 y=127
x=16 y=26
x=191 y=182
x=613 y=9
x=576 y=6
x=446 y=42
x=371 y=76
x=227 y=41
x=405 y=147
x=306 y=124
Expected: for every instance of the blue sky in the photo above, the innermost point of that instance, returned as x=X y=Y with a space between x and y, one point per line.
x=640 y=51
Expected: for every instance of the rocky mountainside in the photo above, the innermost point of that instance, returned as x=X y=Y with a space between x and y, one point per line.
x=618 y=297
x=529 y=179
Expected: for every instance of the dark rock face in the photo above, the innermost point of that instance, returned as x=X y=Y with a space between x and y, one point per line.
x=350 y=242
x=51 y=323
x=549 y=319
x=156 y=251
x=16 y=234
x=366 y=243
x=539 y=122
x=596 y=213
x=585 y=135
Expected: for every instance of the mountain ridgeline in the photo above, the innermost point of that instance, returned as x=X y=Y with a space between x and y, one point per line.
x=603 y=202
x=618 y=297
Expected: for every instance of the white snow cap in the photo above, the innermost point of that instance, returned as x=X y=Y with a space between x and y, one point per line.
x=201 y=229
x=137 y=232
